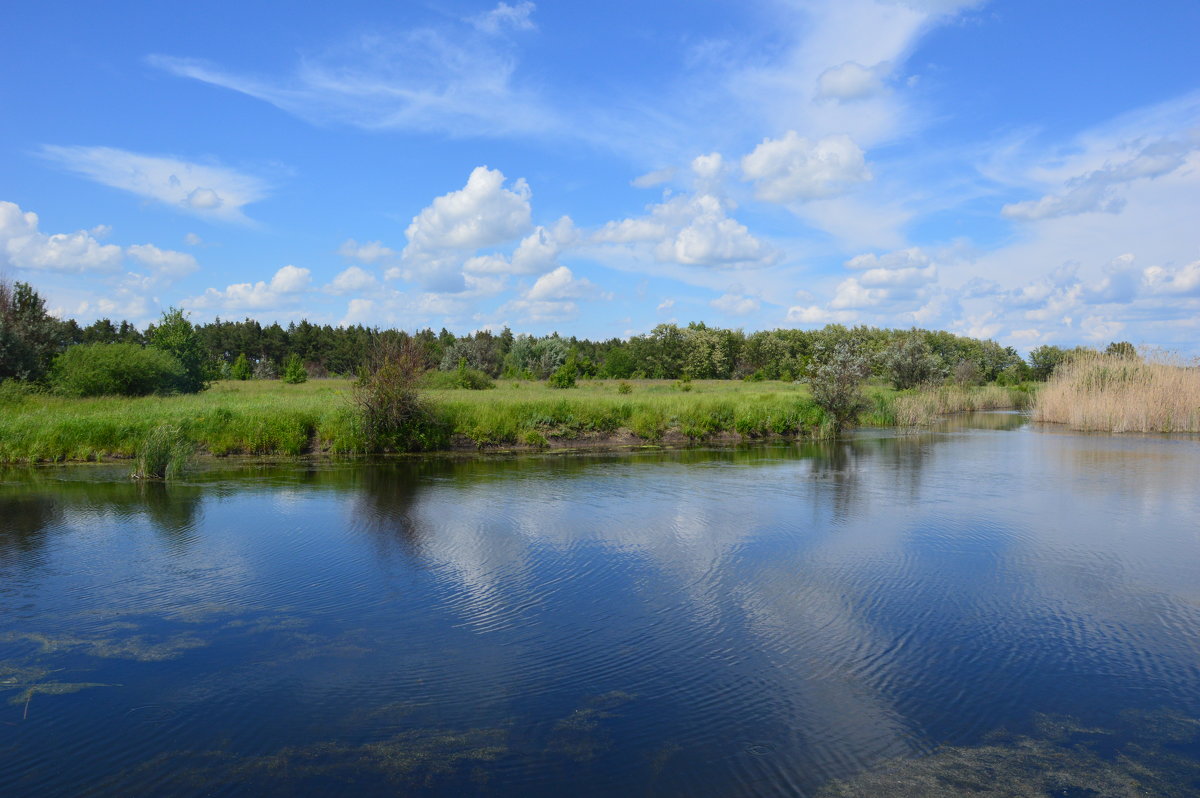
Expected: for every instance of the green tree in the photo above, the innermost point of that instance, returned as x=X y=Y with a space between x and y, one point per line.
x=175 y=335
x=29 y=336
x=241 y=368
x=564 y=375
x=909 y=361
x=1045 y=359
x=1122 y=349
x=294 y=371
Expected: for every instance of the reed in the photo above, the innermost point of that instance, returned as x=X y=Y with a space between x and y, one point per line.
x=1105 y=393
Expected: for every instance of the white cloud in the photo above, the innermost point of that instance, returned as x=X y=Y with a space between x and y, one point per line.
x=423 y=79
x=514 y=17
x=851 y=81
x=1098 y=328
x=165 y=262
x=213 y=192
x=481 y=214
x=691 y=230
x=1184 y=281
x=735 y=304
x=913 y=257
x=1096 y=190
x=666 y=305
x=655 y=178
x=813 y=314
x=285 y=287
x=358 y=311
x=562 y=284
x=370 y=252
x=23 y=246
x=352 y=280
x=796 y=168
x=193 y=240
x=708 y=167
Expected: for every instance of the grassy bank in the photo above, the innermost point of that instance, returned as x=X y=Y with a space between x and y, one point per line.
x=271 y=418
x=1102 y=393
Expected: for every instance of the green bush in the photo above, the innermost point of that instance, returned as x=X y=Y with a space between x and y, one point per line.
x=624 y=387
x=116 y=369
x=564 y=375
x=294 y=372
x=241 y=368
x=463 y=378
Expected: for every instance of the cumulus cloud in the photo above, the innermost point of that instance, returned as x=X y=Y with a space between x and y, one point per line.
x=1096 y=191
x=562 y=284
x=285 y=287
x=164 y=262
x=814 y=314
x=693 y=230
x=351 y=281
x=1184 y=281
x=23 y=246
x=481 y=214
x=504 y=16
x=735 y=304
x=537 y=253
x=795 y=168
x=370 y=252
x=213 y=192
x=851 y=81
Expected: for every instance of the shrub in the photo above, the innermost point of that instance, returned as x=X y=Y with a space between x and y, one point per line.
x=966 y=373
x=386 y=397
x=294 y=372
x=624 y=387
x=241 y=368
x=265 y=370
x=564 y=375
x=835 y=376
x=163 y=454
x=116 y=369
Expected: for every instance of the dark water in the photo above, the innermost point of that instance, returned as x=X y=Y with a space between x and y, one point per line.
x=987 y=607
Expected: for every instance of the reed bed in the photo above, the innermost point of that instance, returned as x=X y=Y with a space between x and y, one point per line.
x=1103 y=393
x=922 y=407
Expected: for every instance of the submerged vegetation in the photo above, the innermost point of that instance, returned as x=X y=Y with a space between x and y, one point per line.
x=1119 y=392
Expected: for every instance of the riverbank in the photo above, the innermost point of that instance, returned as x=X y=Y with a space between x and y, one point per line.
x=269 y=418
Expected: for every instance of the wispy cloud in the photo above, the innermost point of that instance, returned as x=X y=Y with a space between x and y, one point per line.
x=206 y=190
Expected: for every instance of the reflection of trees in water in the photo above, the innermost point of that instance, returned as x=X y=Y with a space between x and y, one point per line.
x=25 y=521
x=29 y=511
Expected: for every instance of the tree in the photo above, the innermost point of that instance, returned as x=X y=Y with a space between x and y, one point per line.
x=564 y=375
x=1045 y=359
x=909 y=361
x=836 y=374
x=176 y=336
x=1123 y=350
x=294 y=371
x=241 y=368
x=29 y=336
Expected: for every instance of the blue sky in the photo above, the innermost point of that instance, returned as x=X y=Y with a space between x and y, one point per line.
x=1026 y=171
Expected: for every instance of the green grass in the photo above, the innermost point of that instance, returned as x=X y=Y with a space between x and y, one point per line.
x=272 y=418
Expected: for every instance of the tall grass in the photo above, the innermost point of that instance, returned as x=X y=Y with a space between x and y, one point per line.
x=164 y=454
x=269 y=418
x=922 y=407
x=1103 y=393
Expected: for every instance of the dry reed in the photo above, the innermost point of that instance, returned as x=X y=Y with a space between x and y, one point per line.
x=1103 y=393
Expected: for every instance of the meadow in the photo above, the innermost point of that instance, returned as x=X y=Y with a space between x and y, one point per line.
x=270 y=418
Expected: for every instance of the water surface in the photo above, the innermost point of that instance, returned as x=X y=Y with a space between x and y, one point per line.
x=983 y=606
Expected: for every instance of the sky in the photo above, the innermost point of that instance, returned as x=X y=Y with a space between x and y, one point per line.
x=1022 y=171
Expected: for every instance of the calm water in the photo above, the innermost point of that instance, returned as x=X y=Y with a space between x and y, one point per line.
x=985 y=605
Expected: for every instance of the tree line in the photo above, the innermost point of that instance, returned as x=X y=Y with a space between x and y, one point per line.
x=31 y=340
